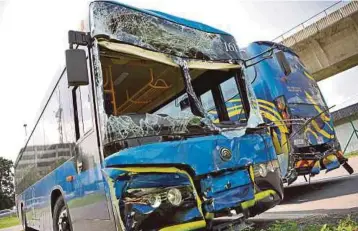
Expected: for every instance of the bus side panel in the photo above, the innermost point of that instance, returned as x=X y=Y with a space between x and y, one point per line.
x=37 y=198
x=89 y=208
x=84 y=196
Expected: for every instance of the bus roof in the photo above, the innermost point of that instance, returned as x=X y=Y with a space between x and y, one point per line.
x=172 y=18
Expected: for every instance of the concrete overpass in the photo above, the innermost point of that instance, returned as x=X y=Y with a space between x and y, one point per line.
x=327 y=43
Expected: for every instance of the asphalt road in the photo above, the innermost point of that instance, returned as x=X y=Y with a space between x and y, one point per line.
x=333 y=193
x=14 y=228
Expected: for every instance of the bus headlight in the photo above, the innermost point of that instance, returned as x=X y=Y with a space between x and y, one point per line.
x=155 y=197
x=174 y=196
x=154 y=208
x=155 y=200
x=261 y=170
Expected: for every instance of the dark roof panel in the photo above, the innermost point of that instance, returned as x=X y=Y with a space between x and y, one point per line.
x=345 y=112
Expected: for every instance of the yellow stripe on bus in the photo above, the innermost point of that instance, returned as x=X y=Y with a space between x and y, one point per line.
x=186 y=226
x=234 y=107
x=234 y=100
x=277 y=115
x=281 y=126
x=321 y=131
x=266 y=102
x=323 y=116
x=309 y=76
x=313 y=132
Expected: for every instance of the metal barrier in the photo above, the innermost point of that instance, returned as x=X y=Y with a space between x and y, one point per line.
x=318 y=22
x=11 y=213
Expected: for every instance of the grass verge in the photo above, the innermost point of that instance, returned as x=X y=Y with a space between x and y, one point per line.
x=351 y=154
x=6 y=222
x=330 y=223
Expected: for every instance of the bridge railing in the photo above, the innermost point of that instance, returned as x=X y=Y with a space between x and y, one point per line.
x=318 y=22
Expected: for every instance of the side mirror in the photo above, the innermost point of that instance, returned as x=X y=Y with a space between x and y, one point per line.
x=281 y=59
x=76 y=65
x=184 y=103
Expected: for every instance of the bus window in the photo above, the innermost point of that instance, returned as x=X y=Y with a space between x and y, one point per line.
x=232 y=99
x=173 y=108
x=84 y=112
x=207 y=100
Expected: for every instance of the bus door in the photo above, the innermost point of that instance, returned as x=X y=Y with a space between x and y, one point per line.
x=90 y=201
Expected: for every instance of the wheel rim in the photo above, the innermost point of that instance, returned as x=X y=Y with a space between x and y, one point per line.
x=63 y=221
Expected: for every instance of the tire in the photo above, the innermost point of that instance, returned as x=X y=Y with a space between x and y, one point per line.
x=61 y=217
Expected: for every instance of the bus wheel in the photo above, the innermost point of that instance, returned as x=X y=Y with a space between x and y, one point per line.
x=61 y=216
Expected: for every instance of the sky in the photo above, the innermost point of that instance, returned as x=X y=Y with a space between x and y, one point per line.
x=33 y=38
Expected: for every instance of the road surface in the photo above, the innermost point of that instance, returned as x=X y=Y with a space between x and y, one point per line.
x=14 y=228
x=333 y=193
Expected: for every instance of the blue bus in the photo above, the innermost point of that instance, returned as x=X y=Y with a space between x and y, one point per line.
x=291 y=101
x=124 y=140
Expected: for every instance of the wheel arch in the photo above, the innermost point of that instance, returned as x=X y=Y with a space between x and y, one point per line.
x=56 y=193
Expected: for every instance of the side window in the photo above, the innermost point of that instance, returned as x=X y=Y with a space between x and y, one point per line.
x=84 y=111
x=229 y=89
x=173 y=109
x=67 y=115
x=207 y=101
x=232 y=99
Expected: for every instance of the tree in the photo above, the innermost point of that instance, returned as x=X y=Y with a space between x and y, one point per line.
x=7 y=196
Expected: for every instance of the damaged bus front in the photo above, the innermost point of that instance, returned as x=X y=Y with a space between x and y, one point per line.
x=166 y=165
x=291 y=100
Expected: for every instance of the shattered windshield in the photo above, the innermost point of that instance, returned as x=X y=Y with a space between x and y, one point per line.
x=144 y=98
x=159 y=33
x=136 y=91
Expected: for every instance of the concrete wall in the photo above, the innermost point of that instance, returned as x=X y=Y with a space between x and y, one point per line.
x=330 y=45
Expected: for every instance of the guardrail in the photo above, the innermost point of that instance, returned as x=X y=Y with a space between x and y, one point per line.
x=11 y=213
x=318 y=22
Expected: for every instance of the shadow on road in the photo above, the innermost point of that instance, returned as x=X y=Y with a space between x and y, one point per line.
x=324 y=189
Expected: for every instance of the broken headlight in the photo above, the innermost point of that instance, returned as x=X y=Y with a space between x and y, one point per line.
x=158 y=207
x=261 y=170
x=154 y=197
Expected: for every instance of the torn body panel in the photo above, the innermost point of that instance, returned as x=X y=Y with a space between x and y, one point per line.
x=224 y=185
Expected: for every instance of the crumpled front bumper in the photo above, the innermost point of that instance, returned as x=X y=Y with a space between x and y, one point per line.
x=315 y=162
x=215 y=196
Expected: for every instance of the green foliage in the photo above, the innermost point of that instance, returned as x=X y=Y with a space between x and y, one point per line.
x=7 y=197
x=8 y=222
x=351 y=154
x=346 y=224
x=284 y=226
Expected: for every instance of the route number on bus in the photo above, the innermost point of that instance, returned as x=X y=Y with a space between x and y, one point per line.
x=230 y=47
